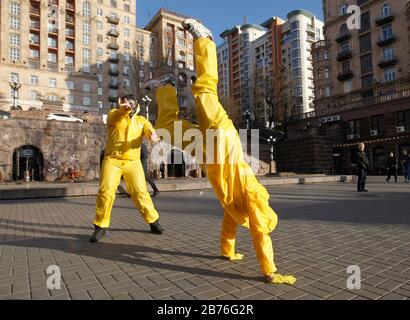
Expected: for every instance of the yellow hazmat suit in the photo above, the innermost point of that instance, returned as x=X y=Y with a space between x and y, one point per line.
x=244 y=199
x=122 y=158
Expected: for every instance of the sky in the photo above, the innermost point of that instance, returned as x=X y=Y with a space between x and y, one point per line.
x=219 y=15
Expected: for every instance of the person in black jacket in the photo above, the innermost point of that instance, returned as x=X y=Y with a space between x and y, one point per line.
x=391 y=167
x=144 y=161
x=362 y=162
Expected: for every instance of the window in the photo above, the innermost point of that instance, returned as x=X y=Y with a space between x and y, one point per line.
x=34 y=53
x=86 y=66
x=181 y=42
x=328 y=92
x=376 y=123
x=126 y=70
x=365 y=43
x=70 y=99
x=69 y=45
x=86 y=39
x=52 y=57
x=86 y=54
x=34 y=80
x=100 y=38
x=366 y=63
x=126 y=7
x=343 y=9
x=69 y=60
x=86 y=87
x=403 y=119
x=15 y=8
x=294 y=25
x=100 y=104
x=126 y=57
x=297 y=72
x=390 y=75
x=14 y=39
x=14 y=77
x=100 y=12
x=386 y=11
x=346 y=67
x=126 y=83
x=86 y=9
x=295 y=44
x=347 y=85
x=127 y=32
x=387 y=32
x=388 y=54
x=296 y=63
x=100 y=25
x=354 y=127
x=127 y=20
x=99 y=77
x=367 y=81
x=52 y=42
x=297 y=91
x=295 y=35
x=100 y=91
x=52 y=97
x=70 y=85
x=344 y=46
x=14 y=22
x=86 y=26
x=86 y=101
x=34 y=95
x=126 y=44
x=365 y=22
x=325 y=55
x=326 y=73
x=100 y=51
x=99 y=64
x=52 y=82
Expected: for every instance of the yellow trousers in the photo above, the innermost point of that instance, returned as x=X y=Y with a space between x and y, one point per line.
x=244 y=199
x=133 y=173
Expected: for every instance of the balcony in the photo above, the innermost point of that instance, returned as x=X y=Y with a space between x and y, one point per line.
x=383 y=20
x=113 y=72
x=114 y=59
x=70 y=19
x=386 y=41
x=35 y=24
x=387 y=63
x=70 y=7
x=345 y=75
x=69 y=33
x=34 y=11
x=344 y=55
x=113 y=33
x=114 y=84
x=113 y=46
x=343 y=37
x=113 y=20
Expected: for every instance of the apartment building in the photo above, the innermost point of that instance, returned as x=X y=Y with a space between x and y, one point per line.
x=66 y=55
x=270 y=67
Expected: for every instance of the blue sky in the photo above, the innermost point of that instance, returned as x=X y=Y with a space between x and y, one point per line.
x=219 y=15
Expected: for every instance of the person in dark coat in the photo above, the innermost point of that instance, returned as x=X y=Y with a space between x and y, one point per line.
x=162 y=169
x=391 y=167
x=362 y=162
x=405 y=162
x=144 y=161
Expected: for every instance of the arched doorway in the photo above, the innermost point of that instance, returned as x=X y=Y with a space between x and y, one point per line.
x=28 y=158
x=176 y=164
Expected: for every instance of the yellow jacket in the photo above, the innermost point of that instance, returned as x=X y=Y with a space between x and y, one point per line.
x=125 y=134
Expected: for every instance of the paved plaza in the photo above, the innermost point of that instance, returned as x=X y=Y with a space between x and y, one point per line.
x=323 y=229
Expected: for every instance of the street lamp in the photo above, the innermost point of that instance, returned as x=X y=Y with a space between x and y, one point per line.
x=15 y=86
x=271 y=141
x=247 y=115
x=147 y=101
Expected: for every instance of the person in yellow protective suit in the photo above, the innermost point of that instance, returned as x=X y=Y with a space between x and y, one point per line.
x=122 y=158
x=244 y=199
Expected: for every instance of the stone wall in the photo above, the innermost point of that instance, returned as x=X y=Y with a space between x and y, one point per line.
x=57 y=141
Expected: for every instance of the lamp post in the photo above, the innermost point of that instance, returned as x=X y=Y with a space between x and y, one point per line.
x=271 y=141
x=247 y=115
x=147 y=101
x=15 y=86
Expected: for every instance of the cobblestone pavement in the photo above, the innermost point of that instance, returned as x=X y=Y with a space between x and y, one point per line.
x=323 y=229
